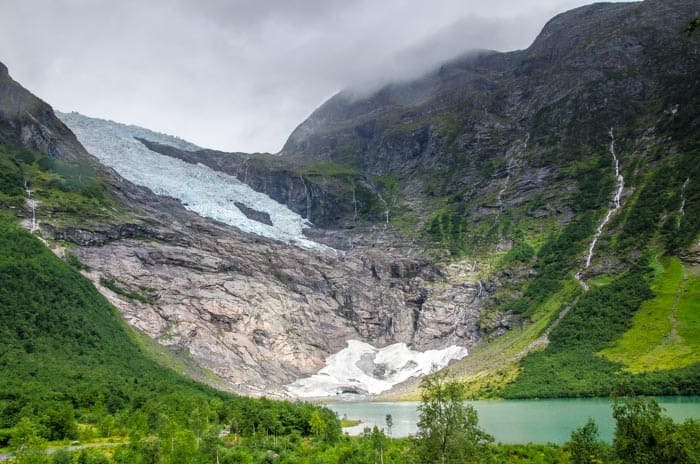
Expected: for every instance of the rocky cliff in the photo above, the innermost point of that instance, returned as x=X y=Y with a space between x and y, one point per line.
x=27 y=121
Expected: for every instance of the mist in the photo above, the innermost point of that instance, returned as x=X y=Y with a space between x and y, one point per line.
x=241 y=75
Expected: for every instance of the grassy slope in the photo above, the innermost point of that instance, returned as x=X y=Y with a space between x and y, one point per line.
x=665 y=332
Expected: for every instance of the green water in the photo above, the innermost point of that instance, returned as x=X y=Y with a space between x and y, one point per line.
x=516 y=421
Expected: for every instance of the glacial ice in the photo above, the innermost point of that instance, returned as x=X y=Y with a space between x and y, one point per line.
x=364 y=369
x=207 y=192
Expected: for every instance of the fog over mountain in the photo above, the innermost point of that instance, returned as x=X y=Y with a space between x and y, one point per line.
x=240 y=75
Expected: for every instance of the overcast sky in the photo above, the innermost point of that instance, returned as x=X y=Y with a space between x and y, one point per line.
x=240 y=75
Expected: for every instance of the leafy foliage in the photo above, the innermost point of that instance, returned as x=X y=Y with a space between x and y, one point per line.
x=74 y=188
x=665 y=332
x=644 y=436
x=585 y=446
x=450 y=229
x=448 y=429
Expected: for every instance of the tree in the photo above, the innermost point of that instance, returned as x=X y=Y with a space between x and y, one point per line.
x=26 y=444
x=448 y=429
x=106 y=426
x=91 y=456
x=585 y=447
x=389 y=419
x=317 y=424
x=644 y=436
x=378 y=440
x=59 y=422
x=198 y=422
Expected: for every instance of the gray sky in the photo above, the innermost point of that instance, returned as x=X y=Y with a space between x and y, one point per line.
x=240 y=75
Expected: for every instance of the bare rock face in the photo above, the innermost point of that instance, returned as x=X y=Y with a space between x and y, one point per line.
x=692 y=254
x=261 y=314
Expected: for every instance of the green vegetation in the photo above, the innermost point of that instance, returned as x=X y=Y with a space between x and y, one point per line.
x=349 y=422
x=665 y=332
x=520 y=252
x=584 y=446
x=667 y=206
x=72 y=371
x=569 y=366
x=493 y=364
x=553 y=265
x=642 y=436
x=73 y=189
x=141 y=295
x=75 y=373
x=449 y=229
x=448 y=429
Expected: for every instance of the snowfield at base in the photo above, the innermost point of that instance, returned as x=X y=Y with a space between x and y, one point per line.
x=207 y=192
x=365 y=369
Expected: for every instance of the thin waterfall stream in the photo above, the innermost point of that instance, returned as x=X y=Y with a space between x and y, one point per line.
x=615 y=206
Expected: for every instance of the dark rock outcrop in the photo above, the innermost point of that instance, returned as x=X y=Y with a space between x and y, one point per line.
x=26 y=121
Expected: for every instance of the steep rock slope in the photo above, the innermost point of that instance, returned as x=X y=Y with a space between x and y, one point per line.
x=491 y=132
x=26 y=121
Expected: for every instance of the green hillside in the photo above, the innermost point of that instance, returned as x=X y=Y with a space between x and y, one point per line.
x=71 y=369
x=665 y=332
x=638 y=324
x=62 y=341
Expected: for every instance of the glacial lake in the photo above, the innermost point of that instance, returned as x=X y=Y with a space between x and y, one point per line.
x=515 y=421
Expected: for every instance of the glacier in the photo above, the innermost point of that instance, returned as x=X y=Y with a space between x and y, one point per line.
x=361 y=368
x=199 y=188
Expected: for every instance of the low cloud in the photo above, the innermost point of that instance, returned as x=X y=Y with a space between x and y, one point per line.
x=240 y=75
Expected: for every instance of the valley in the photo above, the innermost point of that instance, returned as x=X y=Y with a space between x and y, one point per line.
x=528 y=221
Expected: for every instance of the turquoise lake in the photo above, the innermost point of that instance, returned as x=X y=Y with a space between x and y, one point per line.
x=515 y=421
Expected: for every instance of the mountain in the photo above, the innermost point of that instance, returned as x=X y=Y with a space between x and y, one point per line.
x=538 y=208
x=258 y=313
x=228 y=296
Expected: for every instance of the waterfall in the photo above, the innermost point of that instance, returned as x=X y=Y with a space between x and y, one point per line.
x=308 y=198
x=506 y=181
x=615 y=206
x=681 y=210
x=499 y=200
x=32 y=204
x=354 y=203
x=386 y=214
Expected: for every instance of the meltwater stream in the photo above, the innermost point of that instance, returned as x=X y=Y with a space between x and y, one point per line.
x=207 y=192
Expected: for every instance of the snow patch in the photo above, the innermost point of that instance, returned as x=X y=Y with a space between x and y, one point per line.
x=199 y=188
x=363 y=369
